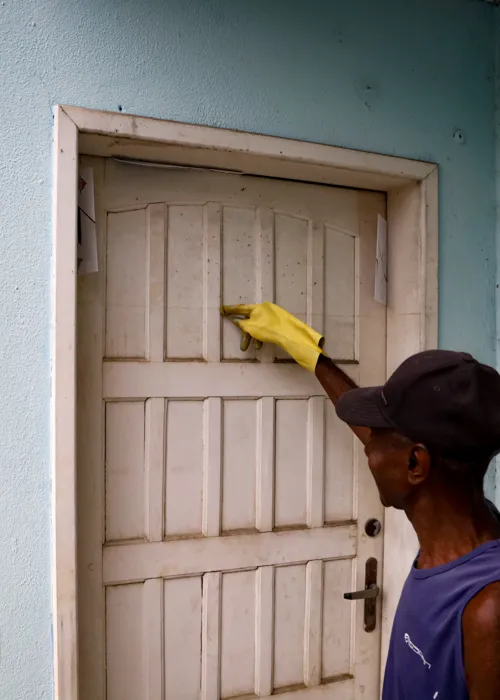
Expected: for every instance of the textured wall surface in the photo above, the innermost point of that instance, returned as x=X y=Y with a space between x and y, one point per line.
x=398 y=78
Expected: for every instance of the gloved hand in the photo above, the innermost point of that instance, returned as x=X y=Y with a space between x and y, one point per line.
x=268 y=323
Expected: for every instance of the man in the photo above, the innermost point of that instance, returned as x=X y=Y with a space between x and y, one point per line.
x=429 y=435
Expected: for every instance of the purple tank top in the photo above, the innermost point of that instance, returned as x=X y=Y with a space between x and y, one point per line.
x=425 y=660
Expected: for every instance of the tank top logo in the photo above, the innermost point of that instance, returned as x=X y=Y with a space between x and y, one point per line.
x=416 y=650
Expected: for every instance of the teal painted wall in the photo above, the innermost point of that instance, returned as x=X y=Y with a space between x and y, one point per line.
x=393 y=77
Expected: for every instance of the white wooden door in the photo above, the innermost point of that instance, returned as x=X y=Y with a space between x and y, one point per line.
x=221 y=503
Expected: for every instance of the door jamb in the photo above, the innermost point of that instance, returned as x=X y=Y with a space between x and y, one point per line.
x=412 y=210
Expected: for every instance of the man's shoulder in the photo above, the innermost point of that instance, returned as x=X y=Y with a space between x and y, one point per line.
x=483 y=611
x=481 y=642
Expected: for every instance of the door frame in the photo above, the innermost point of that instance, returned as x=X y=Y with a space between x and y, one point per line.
x=412 y=313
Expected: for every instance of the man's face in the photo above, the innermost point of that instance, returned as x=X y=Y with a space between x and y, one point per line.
x=389 y=458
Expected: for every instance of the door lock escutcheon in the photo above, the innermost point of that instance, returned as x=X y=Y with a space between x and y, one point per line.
x=369 y=595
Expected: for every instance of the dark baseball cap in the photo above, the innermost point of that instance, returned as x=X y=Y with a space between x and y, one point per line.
x=446 y=400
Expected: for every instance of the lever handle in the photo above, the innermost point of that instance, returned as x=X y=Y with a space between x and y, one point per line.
x=366 y=594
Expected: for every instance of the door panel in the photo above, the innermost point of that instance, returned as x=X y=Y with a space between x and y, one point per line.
x=221 y=502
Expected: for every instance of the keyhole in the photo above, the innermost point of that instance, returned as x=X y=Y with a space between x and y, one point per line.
x=373 y=527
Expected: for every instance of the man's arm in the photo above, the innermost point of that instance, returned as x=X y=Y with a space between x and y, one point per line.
x=481 y=644
x=335 y=382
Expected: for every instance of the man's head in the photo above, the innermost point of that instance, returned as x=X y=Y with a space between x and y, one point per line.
x=436 y=421
x=402 y=469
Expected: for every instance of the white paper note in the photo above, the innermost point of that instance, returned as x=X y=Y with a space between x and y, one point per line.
x=86 y=192
x=87 y=236
x=381 y=262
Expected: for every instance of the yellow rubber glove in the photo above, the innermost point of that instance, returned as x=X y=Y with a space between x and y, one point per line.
x=268 y=323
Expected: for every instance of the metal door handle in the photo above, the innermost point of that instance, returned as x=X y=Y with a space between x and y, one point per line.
x=369 y=594
x=366 y=594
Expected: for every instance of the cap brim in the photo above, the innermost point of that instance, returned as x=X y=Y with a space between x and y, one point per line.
x=362 y=407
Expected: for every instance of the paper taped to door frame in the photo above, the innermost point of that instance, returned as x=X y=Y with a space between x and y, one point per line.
x=87 y=235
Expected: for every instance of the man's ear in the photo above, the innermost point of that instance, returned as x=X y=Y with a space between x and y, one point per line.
x=419 y=464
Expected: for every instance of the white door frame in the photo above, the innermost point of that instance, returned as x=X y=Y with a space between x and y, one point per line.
x=412 y=210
